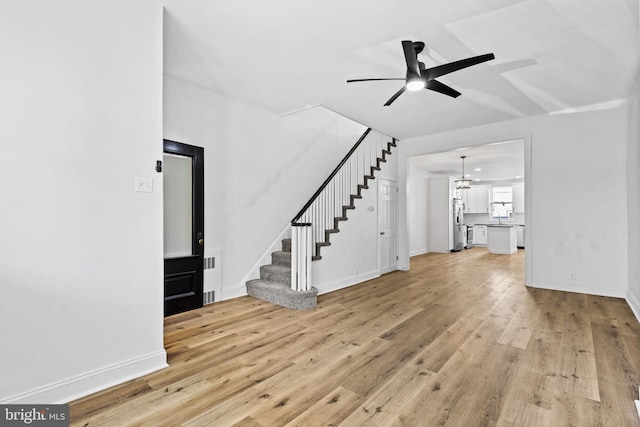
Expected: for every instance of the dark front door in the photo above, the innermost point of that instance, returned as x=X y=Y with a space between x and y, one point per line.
x=183 y=176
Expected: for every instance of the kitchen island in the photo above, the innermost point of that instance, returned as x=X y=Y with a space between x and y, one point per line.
x=502 y=239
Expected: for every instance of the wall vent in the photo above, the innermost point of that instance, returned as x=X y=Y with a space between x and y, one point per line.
x=209 y=263
x=208 y=297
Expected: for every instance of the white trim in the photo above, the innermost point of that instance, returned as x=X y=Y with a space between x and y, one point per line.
x=235 y=292
x=634 y=304
x=582 y=289
x=420 y=251
x=91 y=382
x=503 y=252
x=345 y=283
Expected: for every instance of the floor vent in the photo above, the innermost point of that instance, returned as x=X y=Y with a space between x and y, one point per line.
x=208 y=297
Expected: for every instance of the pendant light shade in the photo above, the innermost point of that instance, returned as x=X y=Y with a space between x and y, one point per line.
x=463 y=183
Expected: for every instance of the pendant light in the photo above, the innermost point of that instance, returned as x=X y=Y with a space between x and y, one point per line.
x=463 y=184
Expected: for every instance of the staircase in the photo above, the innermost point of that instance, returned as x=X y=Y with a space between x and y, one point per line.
x=312 y=228
x=274 y=284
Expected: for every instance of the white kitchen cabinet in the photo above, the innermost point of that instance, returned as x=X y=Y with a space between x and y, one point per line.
x=476 y=199
x=480 y=235
x=465 y=199
x=482 y=199
x=518 y=198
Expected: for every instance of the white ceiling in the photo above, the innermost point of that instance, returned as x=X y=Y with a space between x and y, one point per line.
x=498 y=161
x=283 y=55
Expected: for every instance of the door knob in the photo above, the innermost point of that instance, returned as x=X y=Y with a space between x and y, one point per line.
x=201 y=242
x=200 y=238
x=382 y=233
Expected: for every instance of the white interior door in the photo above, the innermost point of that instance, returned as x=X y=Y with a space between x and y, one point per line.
x=388 y=225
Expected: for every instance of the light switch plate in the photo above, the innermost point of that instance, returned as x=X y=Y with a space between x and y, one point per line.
x=144 y=184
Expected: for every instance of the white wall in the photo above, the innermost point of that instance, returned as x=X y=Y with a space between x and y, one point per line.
x=440 y=214
x=576 y=188
x=633 y=198
x=418 y=193
x=80 y=251
x=260 y=169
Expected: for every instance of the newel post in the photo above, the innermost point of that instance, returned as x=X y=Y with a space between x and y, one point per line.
x=301 y=256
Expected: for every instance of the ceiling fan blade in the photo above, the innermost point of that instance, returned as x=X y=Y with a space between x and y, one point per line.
x=395 y=96
x=372 y=80
x=441 y=70
x=411 y=58
x=436 y=86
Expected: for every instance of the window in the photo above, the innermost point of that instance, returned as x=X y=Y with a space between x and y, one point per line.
x=502 y=203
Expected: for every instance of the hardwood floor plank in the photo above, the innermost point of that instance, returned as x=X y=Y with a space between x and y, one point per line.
x=330 y=410
x=247 y=422
x=519 y=330
x=616 y=362
x=436 y=354
x=446 y=390
x=457 y=341
x=575 y=411
x=391 y=397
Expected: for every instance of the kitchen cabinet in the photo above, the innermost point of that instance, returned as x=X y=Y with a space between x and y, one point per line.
x=518 y=198
x=479 y=234
x=476 y=199
x=482 y=199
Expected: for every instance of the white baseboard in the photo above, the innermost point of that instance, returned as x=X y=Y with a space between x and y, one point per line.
x=503 y=252
x=419 y=252
x=238 y=291
x=581 y=289
x=344 y=283
x=92 y=382
x=634 y=304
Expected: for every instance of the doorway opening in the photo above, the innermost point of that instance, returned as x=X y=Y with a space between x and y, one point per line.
x=183 y=176
x=432 y=195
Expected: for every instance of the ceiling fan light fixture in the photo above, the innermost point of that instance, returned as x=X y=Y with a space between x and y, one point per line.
x=415 y=84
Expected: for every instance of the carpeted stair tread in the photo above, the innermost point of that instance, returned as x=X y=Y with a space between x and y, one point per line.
x=281 y=258
x=283 y=295
x=276 y=273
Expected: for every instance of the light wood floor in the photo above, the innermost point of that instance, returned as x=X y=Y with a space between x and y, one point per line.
x=457 y=341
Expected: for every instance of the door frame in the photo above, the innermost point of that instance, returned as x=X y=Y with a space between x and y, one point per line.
x=171 y=306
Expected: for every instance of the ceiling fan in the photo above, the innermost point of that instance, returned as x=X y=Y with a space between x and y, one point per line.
x=418 y=77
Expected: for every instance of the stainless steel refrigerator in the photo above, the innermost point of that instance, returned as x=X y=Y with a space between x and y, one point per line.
x=458 y=225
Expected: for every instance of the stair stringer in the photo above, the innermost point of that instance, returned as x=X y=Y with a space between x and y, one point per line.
x=358 y=195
